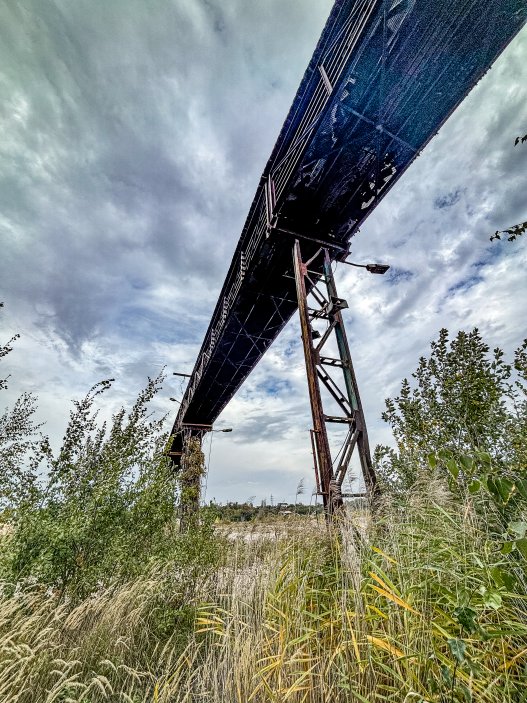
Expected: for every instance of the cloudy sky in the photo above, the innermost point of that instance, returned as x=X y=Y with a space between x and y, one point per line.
x=132 y=138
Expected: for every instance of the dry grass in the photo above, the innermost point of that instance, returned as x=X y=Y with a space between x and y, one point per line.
x=408 y=607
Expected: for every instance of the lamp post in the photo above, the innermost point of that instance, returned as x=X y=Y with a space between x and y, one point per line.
x=371 y=268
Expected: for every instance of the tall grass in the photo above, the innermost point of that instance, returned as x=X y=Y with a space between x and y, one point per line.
x=419 y=606
x=416 y=604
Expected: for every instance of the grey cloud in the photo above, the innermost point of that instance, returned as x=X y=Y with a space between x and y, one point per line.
x=135 y=136
x=448 y=200
x=397 y=275
x=263 y=426
x=139 y=147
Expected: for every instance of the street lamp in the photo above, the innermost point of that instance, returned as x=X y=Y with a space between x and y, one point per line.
x=371 y=268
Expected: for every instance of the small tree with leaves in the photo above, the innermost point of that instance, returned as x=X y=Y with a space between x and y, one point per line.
x=462 y=400
x=103 y=508
x=22 y=445
x=107 y=504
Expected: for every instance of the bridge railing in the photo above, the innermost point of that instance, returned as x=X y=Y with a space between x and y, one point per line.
x=221 y=313
x=330 y=68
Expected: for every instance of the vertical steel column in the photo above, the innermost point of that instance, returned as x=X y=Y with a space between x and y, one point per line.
x=350 y=381
x=329 y=478
x=322 y=454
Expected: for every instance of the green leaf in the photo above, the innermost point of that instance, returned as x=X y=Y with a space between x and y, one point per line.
x=521 y=546
x=492 y=598
x=484 y=458
x=492 y=487
x=467 y=462
x=443 y=454
x=501 y=488
x=518 y=528
x=506 y=488
x=507 y=547
x=452 y=467
x=457 y=647
x=432 y=460
x=474 y=486
x=503 y=578
x=521 y=486
x=446 y=674
x=497 y=576
x=466 y=617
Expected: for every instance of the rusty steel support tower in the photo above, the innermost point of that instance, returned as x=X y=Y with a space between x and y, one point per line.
x=328 y=309
x=384 y=77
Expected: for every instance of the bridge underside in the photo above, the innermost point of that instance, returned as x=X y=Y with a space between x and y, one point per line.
x=384 y=77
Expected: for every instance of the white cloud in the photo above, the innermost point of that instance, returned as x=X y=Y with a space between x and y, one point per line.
x=133 y=137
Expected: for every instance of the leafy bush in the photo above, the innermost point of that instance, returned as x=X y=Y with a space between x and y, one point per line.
x=463 y=402
x=103 y=509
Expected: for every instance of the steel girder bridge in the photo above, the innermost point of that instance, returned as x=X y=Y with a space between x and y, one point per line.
x=384 y=77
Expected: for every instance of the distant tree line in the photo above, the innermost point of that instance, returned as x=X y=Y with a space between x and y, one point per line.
x=234 y=511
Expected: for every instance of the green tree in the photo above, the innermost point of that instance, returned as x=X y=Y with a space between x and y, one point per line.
x=107 y=505
x=462 y=401
x=22 y=445
x=102 y=509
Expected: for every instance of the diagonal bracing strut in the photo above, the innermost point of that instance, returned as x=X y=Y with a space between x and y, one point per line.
x=329 y=478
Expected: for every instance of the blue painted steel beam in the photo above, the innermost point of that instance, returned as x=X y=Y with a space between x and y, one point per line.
x=384 y=77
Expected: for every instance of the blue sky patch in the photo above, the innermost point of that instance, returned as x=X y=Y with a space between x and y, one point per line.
x=448 y=200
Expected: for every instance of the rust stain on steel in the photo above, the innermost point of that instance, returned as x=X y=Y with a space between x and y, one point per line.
x=322 y=452
x=318 y=283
